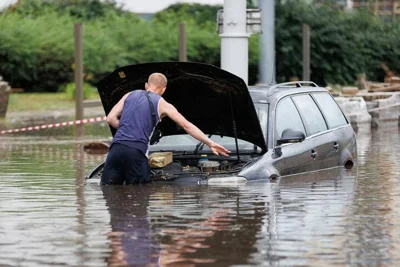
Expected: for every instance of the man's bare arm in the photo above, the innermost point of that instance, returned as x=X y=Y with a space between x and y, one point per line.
x=169 y=110
x=115 y=113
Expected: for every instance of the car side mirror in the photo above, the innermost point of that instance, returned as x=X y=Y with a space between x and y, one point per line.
x=291 y=136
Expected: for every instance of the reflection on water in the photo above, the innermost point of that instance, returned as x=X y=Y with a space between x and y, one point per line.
x=50 y=216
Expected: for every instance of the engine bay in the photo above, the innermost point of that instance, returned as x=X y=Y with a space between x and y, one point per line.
x=188 y=166
x=199 y=165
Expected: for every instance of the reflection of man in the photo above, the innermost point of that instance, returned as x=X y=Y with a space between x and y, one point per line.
x=134 y=241
x=130 y=238
x=184 y=243
x=135 y=117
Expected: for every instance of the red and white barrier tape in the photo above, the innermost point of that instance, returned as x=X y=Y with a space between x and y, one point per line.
x=54 y=125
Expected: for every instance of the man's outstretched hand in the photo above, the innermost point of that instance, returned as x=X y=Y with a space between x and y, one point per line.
x=219 y=150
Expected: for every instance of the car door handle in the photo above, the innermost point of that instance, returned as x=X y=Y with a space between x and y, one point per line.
x=313 y=154
x=336 y=145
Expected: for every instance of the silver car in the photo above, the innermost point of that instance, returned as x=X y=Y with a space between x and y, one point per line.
x=272 y=131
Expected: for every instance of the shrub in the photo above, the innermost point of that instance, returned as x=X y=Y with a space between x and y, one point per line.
x=343 y=44
x=37 y=46
x=36 y=53
x=83 y=10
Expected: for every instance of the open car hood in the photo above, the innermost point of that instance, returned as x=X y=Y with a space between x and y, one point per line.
x=213 y=99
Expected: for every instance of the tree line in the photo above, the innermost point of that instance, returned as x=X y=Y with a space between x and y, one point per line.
x=36 y=47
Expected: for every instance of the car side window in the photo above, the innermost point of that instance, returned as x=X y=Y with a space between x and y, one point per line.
x=332 y=113
x=287 y=116
x=310 y=113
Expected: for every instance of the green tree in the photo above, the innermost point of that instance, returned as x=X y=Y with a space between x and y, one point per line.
x=203 y=16
x=343 y=44
x=80 y=9
x=36 y=47
x=252 y=3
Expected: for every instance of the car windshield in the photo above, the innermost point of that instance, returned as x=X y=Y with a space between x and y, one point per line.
x=187 y=143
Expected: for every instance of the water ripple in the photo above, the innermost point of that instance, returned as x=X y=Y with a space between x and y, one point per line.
x=49 y=216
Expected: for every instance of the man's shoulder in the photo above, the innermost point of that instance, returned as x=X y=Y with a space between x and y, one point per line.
x=155 y=96
x=135 y=92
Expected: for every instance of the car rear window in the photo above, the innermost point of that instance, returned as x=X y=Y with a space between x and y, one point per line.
x=332 y=113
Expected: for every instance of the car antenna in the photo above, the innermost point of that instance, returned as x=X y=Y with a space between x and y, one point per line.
x=234 y=128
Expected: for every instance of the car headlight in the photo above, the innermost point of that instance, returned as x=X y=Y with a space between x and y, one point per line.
x=227 y=180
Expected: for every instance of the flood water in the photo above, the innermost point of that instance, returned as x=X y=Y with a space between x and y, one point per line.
x=50 y=216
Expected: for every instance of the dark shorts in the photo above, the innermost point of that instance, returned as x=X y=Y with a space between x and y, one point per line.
x=125 y=164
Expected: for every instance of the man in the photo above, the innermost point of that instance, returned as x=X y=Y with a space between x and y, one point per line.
x=132 y=117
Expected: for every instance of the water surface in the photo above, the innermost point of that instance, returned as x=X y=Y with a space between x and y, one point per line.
x=49 y=215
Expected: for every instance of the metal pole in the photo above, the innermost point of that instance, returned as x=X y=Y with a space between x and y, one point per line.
x=234 y=39
x=78 y=71
x=306 y=52
x=182 y=42
x=267 y=43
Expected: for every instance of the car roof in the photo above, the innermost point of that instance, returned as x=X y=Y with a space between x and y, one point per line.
x=268 y=93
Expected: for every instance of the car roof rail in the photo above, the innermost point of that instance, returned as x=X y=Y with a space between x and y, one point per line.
x=274 y=88
x=298 y=84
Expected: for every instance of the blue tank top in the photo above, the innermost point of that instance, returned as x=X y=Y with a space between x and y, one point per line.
x=136 y=124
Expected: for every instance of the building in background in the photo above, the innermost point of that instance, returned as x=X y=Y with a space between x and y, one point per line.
x=378 y=7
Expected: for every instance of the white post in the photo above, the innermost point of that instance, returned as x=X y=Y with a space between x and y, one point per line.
x=349 y=4
x=234 y=39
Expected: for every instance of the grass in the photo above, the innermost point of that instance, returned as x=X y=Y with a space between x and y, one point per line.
x=41 y=102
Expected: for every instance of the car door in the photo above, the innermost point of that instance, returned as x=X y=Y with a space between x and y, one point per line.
x=293 y=157
x=335 y=119
x=316 y=131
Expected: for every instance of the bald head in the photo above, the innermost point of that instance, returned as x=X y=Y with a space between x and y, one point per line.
x=157 y=80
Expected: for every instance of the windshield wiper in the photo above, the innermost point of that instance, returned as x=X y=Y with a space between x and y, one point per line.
x=200 y=146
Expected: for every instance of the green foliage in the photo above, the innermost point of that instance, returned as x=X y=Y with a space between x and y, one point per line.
x=70 y=90
x=36 y=52
x=37 y=45
x=39 y=55
x=203 y=16
x=79 y=9
x=252 y=3
x=343 y=44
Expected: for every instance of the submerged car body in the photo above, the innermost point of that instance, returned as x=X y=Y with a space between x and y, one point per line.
x=272 y=131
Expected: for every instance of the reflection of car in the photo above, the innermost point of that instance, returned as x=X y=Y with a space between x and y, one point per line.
x=272 y=131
